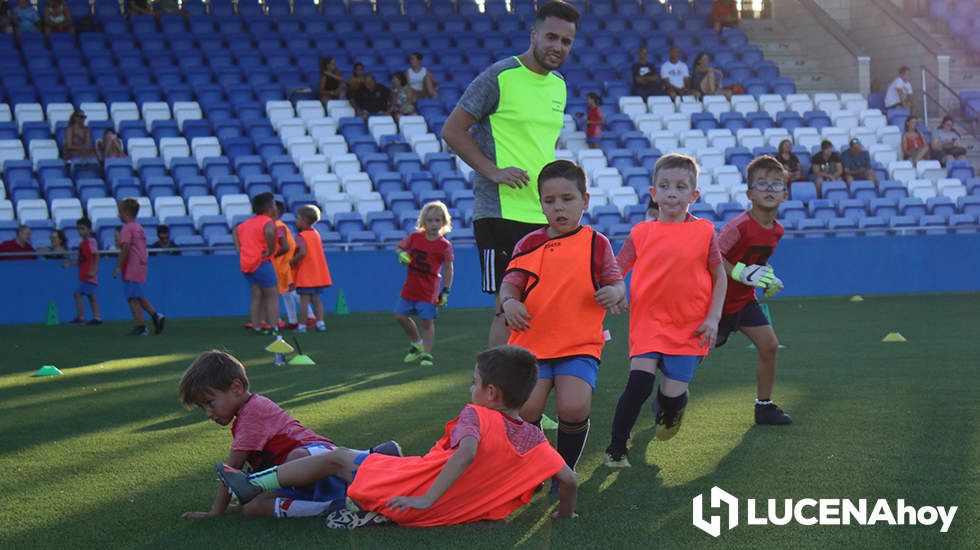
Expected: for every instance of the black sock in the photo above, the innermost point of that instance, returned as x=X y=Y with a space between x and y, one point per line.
x=671 y=405
x=571 y=440
x=638 y=390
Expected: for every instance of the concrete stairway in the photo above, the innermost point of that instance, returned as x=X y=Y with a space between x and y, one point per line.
x=794 y=56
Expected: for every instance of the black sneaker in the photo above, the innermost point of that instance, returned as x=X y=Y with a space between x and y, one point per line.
x=94 y=322
x=666 y=425
x=772 y=415
x=345 y=518
x=390 y=448
x=616 y=459
x=158 y=321
x=138 y=331
x=77 y=321
x=237 y=482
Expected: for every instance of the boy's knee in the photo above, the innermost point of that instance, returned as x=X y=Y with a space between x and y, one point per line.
x=258 y=508
x=297 y=454
x=769 y=349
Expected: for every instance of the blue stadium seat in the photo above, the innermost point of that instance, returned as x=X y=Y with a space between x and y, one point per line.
x=834 y=190
x=822 y=209
x=851 y=208
x=842 y=227
x=912 y=207
x=811 y=227
x=873 y=226
x=803 y=191
x=943 y=206
x=893 y=189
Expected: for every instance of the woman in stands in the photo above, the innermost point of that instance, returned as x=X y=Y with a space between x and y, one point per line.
x=789 y=160
x=57 y=17
x=402 y=96
x=78 y=138
x=707 y=79
x=420 y=79
x=109 y=146
x=331 y=81
x=946 y=142
x=914 y=144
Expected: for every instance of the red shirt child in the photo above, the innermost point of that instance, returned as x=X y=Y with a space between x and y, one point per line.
x=428 y=256
x=744 y=240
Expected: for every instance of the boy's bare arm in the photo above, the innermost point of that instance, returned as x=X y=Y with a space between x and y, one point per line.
x=709 y=328
x=455 y=466
x=234 y=239
x=612 y=296
x=236 y=459
x=300 y=252
x=270 y=239
x=567 y=491
x=512 y=308
x=448 y=271
x=123 y=256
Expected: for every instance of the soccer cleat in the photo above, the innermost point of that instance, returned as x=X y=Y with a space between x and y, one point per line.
x=237 y=482
x=345 y=518
x=249 y=326
x=158 y=322
x=321 y=326
x=772 y=415
x=301 y=329
x=77 y=321
x=138 y=331
x=414 y=354
x=666 y=425
x=426 y=360
x=291 y=326
x=614 y=461
x=390 y=448
x=94 y=322
x=281 y=323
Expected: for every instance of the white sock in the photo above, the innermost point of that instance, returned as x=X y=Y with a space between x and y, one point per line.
x=290 y=306
x=289 y=508
x=763 y=401
x=309 y=313
x=417 y=344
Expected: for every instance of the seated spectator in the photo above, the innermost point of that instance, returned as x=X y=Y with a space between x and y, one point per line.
x=646 y=78
x=420 y=79
x=28 y=18
x=163 y=241
x=857 y=163
x=109 y=146
x=6 y=18
x=20 y=243
x=946 y=142
x=402 y=96
x=169 y=7
x=356 y=80
x=899 y=93
x=676 y=76
x=140 y=7
x=724 y=13
x=914 y=145
x=825 y=165
x=371 y=98
x=59 y=246
x=331 y=81
x=707 y=79
x=78 y=139
x=57 y=17
x=790 y=161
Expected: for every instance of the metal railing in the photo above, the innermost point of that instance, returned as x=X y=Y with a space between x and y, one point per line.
x=927 y=98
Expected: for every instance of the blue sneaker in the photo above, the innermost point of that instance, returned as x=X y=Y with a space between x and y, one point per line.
x=237 y=482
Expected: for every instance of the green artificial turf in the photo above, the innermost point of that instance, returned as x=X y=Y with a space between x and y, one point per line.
x=105 y=456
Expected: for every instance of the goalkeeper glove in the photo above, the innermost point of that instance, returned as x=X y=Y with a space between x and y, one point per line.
x=443 y=298
x=404 y=258
x=773 y=288
x=753 y=275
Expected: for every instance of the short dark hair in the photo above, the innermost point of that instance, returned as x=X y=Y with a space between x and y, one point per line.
x=595 y=97
x=416 y=54
x=512 y=369
x=281 y=206
x=163 y=228
x=559 y=9
x=402 y=78
x=212 y=371
x=765 y=164
x=903 y=68
x=263 y=202
x=677 y=160
x=825 y=143
x=130 y=206
x=84 y=221
x=563 y=169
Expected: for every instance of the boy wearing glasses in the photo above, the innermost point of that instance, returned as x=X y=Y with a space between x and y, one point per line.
x=746 y=244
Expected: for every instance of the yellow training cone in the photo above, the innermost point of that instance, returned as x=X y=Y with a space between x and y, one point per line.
x=857 y=298
x=279 y=346
x=893 y=337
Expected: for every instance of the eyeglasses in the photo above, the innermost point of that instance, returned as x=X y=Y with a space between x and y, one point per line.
x=769 y=186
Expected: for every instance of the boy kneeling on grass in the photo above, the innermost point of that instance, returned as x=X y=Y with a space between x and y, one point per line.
x=487 y=464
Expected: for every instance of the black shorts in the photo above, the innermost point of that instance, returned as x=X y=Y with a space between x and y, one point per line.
x=496 y=238
x=751 y=315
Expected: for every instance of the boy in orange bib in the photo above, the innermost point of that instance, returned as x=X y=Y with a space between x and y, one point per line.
x=255 y=240
x=677 y=292
x=285 y=246
x=554 y=296
x=488 y=463
x=311 y=275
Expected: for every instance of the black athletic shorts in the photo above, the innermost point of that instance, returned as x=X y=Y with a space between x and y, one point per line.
x=751 y=315
x=496 y=238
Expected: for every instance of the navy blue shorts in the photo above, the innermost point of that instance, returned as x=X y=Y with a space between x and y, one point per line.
x=586 y=368
x=264 y=276
x=749 y=316
x=423 y=310
x=85 y=287
x=325 y=489
x=310 y=290
x=675 y=367
x=132 y=290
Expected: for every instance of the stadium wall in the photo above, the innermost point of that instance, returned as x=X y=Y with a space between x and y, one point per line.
x=212 y=286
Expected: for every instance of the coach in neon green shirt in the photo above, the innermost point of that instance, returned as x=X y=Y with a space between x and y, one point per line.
x=516 y=108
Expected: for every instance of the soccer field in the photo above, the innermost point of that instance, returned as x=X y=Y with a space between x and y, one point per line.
x=105 y=456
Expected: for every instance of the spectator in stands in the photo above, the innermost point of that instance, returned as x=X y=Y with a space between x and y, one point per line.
x=6 y=18
x=914 y=144
x=109 y=146
x=707 y=79
x=646 y=78
x=420 y=79
x=724 y=13
x=946 y=142
x=676 y=76
x=140 y=7
x=57 y=17
x=59 y=246
x=20 y=243
x=784 y=154
x=857 y=163
x=163 y=241
x=331 y=81
x=825 y=165
x=78 y=138
x=402 y=96
x=371 y=98
x=28 y=18
x=356 y=80
x=899 y=93
x=169 y=7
